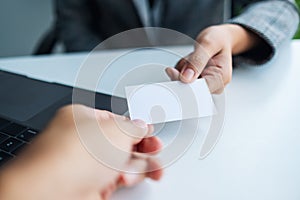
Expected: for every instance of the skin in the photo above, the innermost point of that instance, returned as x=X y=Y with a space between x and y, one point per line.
x=57 y=166
x=212 y=56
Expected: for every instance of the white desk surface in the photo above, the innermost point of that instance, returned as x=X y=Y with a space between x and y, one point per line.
x=257 y=157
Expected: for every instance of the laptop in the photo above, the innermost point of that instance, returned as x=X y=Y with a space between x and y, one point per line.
x=27 y=105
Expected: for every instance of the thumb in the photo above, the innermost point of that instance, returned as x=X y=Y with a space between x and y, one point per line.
x=197 y=61
x=133 y=130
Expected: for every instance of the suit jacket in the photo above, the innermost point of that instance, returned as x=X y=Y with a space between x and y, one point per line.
x=83 y=24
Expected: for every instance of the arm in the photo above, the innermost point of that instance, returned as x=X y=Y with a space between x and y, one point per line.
x=64 y=161
x=273 y=22
x=75 y=25
x=255 y=34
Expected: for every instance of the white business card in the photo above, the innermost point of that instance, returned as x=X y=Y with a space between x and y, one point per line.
x=169 y=101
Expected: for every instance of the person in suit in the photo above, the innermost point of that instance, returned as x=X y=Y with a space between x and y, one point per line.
x=56 y=165
x=252 y=31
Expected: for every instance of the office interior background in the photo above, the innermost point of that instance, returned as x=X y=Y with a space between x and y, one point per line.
x=23 y=23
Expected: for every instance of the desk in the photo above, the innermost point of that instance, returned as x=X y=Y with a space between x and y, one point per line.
x=257 y=156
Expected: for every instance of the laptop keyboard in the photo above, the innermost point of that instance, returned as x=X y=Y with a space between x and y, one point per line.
x=13 y=137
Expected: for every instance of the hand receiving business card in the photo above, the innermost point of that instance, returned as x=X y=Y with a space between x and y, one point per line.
x=169 y=101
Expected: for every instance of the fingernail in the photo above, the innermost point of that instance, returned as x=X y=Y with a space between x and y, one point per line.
x=139 y=123
x=188 y=73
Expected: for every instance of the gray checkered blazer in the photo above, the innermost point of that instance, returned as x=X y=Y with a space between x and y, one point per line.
x=83 y=24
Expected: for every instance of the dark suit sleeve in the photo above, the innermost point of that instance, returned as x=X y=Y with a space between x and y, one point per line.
x=75 y=25
x=274 y=21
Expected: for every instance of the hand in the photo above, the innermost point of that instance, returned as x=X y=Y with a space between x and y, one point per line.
x=56 y=165
x=212 y=56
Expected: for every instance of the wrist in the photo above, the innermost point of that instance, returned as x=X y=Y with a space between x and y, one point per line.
x=241 y=38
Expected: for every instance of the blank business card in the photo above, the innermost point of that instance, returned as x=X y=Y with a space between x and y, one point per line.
x=169 y=101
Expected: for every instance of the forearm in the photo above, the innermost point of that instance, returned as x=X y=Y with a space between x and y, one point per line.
x=35 y=174
x=55 y=169
x=13 y=184
x=274 y=22
x=27 y=180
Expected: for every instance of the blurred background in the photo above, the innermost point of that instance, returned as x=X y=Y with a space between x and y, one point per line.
x=297 y=36
x=23 y=22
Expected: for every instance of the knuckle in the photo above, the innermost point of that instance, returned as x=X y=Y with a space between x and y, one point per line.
x=218 y=75
x=196 y=58
x=106 y=115
x=67 y=115
x=66 y=110
x=196 y=61
x=209 y=40
x=208 y=35
x=206 y=39
x=64 y=117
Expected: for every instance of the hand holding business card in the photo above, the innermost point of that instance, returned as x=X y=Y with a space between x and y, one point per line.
x=169 y=101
